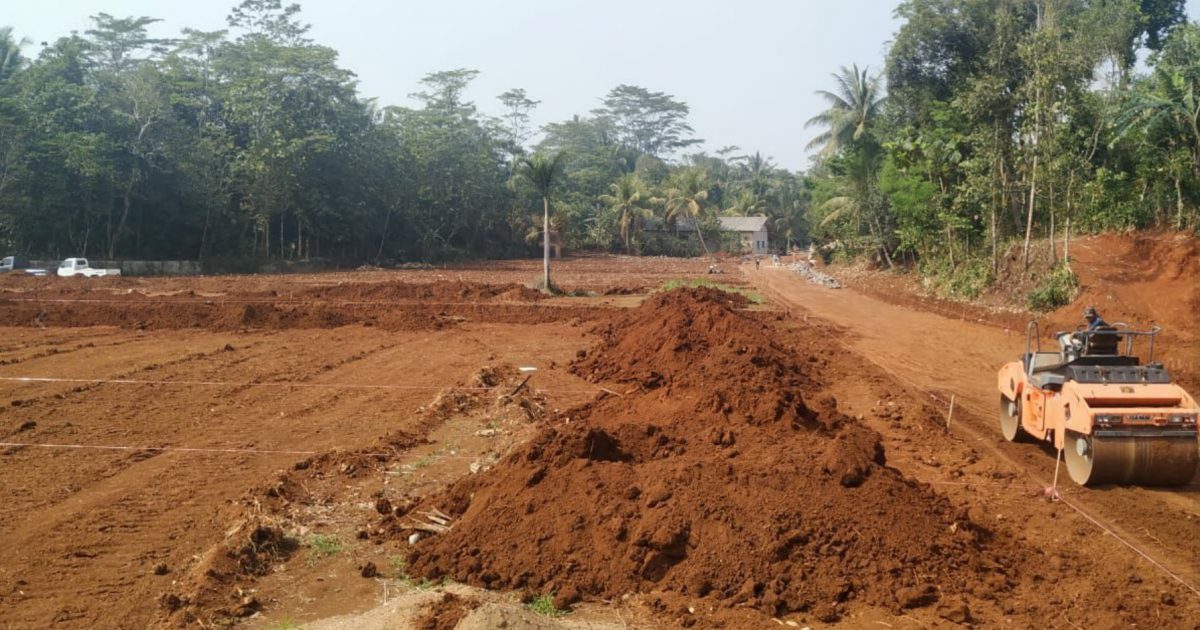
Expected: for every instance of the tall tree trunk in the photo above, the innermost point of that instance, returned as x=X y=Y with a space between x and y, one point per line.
x=204 y=233
x=1032 y=202
x=995 y=253
x=546 y=242
x=1067 y=244
x=1178 y=202
x=127 y=201
x=387 y=219
x=950 y=244
x=700 y=234
x=1050 y=234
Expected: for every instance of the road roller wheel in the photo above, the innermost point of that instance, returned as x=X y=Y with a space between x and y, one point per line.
x=1010 y=421
x=1142 y=460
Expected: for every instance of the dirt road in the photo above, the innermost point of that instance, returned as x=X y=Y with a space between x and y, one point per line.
x=945 y=357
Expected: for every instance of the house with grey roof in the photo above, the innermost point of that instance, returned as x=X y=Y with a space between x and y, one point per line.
x=751 y=232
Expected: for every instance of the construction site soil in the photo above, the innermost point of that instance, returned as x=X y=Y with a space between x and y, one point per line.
x=711 y=477
x=444 y=448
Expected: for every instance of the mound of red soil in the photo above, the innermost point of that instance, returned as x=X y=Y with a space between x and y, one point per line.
x=711 y=477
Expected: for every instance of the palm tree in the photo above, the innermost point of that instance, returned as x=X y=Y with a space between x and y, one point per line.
x=849 y=129
x=1165 y=109
x=10 y=52
x=852 y=111
x=746 y=204
x=626 y=200
x=686 y=196
x=542 y=171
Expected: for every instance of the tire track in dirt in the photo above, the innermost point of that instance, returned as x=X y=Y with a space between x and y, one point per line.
x=933 y=354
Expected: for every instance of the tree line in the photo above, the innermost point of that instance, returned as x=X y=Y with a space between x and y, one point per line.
x=1010 y=121
x=252 y=143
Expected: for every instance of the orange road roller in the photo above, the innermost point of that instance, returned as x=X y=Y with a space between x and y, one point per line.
x=1115 y=419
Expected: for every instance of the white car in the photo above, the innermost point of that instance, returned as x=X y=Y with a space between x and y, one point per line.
x=19 y=264
x=79 y=267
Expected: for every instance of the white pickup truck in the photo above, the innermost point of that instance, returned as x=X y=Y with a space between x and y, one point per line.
x=79 y=267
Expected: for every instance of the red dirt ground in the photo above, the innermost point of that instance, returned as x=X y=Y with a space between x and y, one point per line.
x=311 y=422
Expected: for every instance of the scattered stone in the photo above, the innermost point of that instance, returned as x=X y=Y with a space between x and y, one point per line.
x=369 y=570
x=248 y=606
x=383 y=506
x=913 y=597
x=170 y=601
x=811 y=274
x=956 y=611
x=27 y=425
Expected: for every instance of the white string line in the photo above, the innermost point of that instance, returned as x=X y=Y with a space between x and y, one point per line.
x=269 y=301
x=192 y=449
x=190 y=383
x=1104 y=528
x=1141 y=553
x=169 y=448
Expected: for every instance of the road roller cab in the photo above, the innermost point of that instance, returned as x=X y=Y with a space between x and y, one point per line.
x=1116 y=419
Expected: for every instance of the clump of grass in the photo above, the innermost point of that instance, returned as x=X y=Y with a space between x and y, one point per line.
x=286 y=624
x=754 y=296
x=425 y=584
x=544 y=605
x=399 y=566
x=321 y=546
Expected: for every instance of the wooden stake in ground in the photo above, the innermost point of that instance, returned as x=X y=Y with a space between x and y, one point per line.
x=950 y=415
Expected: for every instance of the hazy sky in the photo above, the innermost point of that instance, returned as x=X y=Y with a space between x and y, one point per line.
x=747 y=68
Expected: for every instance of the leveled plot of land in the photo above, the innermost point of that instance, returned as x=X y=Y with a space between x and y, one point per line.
x=188 y=452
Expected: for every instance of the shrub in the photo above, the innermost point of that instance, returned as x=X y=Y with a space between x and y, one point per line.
x=1056 y=290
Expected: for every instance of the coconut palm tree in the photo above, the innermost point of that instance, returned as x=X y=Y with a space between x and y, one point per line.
x=853 y=111
x=849 y=130
x=10 y=52
x=628 y=201
x=746 y=204
x=542 y=171
x=686 y=196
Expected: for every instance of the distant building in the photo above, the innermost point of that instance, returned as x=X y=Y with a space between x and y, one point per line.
x=752 y=232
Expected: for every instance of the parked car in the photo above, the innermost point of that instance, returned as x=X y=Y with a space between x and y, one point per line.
x=20 y=263
x=80 y=267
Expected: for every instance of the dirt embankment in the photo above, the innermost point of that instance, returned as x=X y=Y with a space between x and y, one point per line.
x=123 y=302
x=1142 y=279
x=1138 y=278
x=711 y=476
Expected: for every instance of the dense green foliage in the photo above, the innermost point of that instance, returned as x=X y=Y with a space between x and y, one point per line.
x=253 y=143
x=1003 y=121
x=1010 y=120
